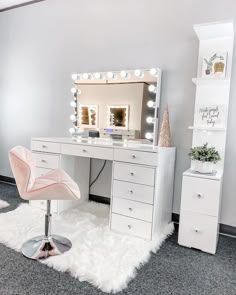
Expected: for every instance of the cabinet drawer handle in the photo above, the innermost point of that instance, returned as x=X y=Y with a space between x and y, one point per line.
x=199 y=196
x=133 y=157
x=129 y=226
x=130 y=209
x=132 y=173
x=197 y=230
x=44 y=146
x=84 y=151
x=131 y=191
x=43 y=161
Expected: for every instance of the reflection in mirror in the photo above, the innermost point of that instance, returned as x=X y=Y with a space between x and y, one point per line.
x=88 y=115
x=120 y=105
x=118 y=117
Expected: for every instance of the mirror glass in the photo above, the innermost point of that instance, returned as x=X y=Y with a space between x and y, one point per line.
x=120 y=105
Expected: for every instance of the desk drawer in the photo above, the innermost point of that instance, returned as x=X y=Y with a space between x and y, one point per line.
x=136 y=157
x=134 y=173
x=46 y=160
x=44 y=146
x=132 y=209
x=131 y=226
x=201 y=195
x=198 y=231
x=41 y=171
x=87 y=151
x=133 y=191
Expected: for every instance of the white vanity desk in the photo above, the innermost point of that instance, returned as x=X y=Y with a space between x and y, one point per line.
x=142 y=179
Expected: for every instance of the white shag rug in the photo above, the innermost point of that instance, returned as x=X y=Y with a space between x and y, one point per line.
x=106 y=259
x=3 y=204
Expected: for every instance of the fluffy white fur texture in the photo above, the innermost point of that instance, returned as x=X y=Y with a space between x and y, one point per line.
x=106 y=259
x=3 y=204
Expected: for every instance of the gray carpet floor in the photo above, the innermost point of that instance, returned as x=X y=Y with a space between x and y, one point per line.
x=172 y=270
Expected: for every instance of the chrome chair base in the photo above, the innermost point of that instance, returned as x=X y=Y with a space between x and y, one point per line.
x=42 y=247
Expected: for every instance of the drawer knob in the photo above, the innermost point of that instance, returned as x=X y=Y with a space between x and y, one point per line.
x=132 y=173
x=131 y=192
x=133 y=157
x=44 y=146
x=199 y=196
x=130 y=209
x=84 y=151
x=129 y=226
x=43 y=161
x=197 y=230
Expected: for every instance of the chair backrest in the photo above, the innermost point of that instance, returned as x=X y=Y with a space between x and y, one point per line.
x=22 y=168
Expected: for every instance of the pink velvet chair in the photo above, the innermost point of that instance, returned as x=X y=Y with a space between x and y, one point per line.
x=55 y=185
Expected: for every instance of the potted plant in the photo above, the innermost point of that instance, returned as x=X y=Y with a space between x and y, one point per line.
x=204 y=157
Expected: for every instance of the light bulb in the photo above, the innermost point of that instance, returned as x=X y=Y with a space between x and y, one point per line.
x=73 y=90
x=73 y=104
x=152 y=88
x=72 y=130
x=87 y=76
x=75 y=77
x=111 y=75
x=72 y=117
x=139 y=74
x=149 y=120
x=124 y=74
x=98 y=76
x=151 y=104
x=153 y=72
x=149 y=135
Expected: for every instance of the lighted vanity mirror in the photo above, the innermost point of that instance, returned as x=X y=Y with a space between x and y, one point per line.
x=120 y=105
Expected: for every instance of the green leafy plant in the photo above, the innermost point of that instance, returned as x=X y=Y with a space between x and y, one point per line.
x=204 y=154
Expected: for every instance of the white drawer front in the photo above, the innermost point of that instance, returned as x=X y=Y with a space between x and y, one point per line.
x=87 y=151
x=134 y=173
x=133 y=191
x=43 y=205
x=131 y=226
x=198 y=231
x=46 y=160
x=201 y=195
x=132 y=209
x=44 y=146
x=41 y=171
x=136 y=157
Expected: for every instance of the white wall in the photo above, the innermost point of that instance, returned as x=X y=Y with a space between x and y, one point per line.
x=42 y=44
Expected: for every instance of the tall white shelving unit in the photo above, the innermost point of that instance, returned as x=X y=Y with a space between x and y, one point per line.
x=201 y=194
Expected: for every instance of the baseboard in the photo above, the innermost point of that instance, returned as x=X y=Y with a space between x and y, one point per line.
x=224 y=228
x=7 y=179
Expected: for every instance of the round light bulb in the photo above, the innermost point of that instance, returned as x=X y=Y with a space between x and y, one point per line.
x=73 y=90
x=98 y=76
x=72 y=117
x=73 y=104
x=139 y=74
x=152 y=88
x=149 y=135
x=153 y=72
x=124 y=74
x=72 y=130
x=87 y=76
x=150 y=104
x=111 y=75
x=149 y=120
x=75 y=77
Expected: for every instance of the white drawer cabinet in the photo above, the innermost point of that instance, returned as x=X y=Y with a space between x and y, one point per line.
x=134 y=173
x=132 y=209
x=131 y=226
x=136 y=157
x=199 y=212
x=133 y=191
x=48 y=161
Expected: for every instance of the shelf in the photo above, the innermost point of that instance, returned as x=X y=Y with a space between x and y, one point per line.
x=206 y=128
x=211 y=82
x=224 y=29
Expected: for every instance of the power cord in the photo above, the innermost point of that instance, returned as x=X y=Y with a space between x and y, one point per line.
x=103 y=166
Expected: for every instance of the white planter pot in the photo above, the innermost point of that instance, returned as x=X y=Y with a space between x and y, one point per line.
x=203 y=167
